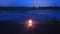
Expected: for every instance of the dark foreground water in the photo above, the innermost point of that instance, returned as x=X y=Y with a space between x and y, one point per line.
x=13 y=22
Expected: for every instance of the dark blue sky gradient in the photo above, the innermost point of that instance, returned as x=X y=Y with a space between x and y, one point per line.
x=29 y=3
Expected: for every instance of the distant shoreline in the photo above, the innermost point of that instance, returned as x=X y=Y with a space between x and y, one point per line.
x=29 y=8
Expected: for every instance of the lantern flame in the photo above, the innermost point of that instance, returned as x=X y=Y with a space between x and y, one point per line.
x=30 y=23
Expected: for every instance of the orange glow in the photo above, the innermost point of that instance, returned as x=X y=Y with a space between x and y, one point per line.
x=30 y=23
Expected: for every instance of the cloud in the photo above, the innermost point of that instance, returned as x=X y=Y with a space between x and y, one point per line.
x=28 y=3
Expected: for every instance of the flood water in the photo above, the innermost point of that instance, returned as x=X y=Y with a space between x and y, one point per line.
x=18 y=17
x=33 y=14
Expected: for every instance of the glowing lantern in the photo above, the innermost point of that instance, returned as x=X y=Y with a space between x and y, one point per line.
x=30 y=23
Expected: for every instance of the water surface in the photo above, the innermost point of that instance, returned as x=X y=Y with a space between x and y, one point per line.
x=37 y=15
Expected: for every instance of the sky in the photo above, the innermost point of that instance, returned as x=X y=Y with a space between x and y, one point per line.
x=29 y=3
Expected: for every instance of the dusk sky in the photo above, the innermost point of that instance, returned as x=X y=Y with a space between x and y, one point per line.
x=29 y=3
